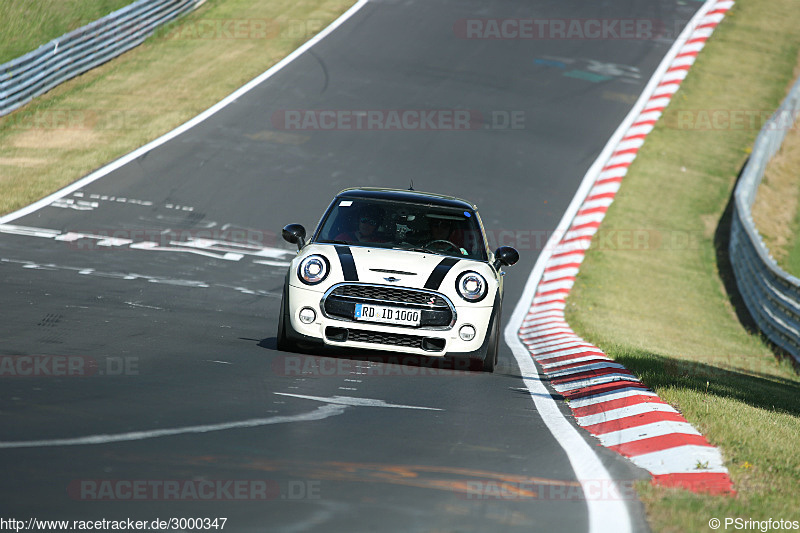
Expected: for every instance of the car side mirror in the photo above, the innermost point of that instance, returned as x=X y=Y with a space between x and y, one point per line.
x=295 y=234
x=505 y=256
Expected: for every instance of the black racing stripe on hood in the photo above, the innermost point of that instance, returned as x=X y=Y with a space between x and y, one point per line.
x=347 y=262
x=438 y=274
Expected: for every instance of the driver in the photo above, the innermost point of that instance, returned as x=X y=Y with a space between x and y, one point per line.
x=443 y=232
x=440 y=229
x=369 y=220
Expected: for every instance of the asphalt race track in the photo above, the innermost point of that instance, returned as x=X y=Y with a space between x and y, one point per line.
x=167 y=330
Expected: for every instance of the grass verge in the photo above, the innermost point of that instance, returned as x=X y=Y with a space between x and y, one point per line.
x=776 y=211
x=28 y=25
x=179 y=72
x=669 y=310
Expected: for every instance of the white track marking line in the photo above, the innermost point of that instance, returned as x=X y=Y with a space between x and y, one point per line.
x=131 y=276
x=321 y=412
x=217 y=249
x=608 y=515
x=357 y=402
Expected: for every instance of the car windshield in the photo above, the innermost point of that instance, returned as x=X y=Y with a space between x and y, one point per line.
x=403 y=225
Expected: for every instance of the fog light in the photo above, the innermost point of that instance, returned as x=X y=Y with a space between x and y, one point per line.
x=467 y=333
x=307 y=315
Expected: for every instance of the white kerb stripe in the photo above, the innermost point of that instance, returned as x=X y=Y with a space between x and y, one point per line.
x=589 y=382
x=647 y=431
x=610 y=396
x=624 y=412
x=689 y=459
x=583 y=368
x=554 y=366
x=571 y=351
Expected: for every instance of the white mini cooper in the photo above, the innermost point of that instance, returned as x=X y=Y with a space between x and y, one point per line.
x=396 y=271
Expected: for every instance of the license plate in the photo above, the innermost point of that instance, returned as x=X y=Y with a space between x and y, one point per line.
x=387 y=315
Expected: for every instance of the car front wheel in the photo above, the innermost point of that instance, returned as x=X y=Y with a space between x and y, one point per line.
x=285 y=344
x=490 y=359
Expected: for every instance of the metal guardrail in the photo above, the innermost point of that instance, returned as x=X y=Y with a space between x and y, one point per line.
x=72 y=54
x=772 y=296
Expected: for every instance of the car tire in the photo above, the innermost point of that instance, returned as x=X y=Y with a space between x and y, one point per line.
x=285 y=344
x=490 y=359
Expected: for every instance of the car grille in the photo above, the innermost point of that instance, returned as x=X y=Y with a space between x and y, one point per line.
x=429 y=344
x=436 y=312
x=389 y=294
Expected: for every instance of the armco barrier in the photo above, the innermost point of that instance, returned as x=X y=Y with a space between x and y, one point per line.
x=772 y=296
x=72 y=54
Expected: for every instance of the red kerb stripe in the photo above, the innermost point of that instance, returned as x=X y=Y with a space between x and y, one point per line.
x=618 y=403
x=711 y=483
x=633 y=421
x=657 y=444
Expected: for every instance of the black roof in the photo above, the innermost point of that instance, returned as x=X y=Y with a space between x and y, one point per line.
x=400 y=195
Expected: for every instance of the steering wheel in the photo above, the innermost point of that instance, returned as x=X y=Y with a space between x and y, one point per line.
x=447 y=245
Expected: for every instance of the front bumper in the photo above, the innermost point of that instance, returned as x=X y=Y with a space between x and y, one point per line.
x=434 y=342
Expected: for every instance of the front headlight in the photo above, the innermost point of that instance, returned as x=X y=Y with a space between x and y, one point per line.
x=313 y=269
x=471 y=286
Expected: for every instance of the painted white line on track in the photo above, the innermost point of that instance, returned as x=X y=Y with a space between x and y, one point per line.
x=357 y=402
x=214 y=248
x=321 y=412
x=604 y=515
x=131 y=276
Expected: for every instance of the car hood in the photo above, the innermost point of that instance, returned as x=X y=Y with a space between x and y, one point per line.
x=382 y=266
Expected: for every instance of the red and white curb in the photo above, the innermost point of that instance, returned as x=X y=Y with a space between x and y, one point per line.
x=606 y=398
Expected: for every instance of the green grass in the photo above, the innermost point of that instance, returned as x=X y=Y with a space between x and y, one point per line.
x=117 y=107
x=669 y=312
x=30 y=24
x=776 y=211
x=792 y=263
